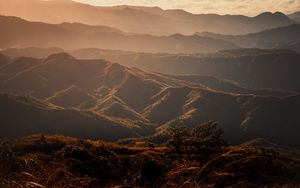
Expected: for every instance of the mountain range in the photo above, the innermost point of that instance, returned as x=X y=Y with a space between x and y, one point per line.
x=135 y=19
x=102 y=92
x=232 y=70
x=286 y=37
x=137 y=96
x=17 y=32
x=252 y=68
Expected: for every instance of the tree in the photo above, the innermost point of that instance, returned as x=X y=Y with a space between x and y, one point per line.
x=178 y=134
x=203 y=140
x=207 y=130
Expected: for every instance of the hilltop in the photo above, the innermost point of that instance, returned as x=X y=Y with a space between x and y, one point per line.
x=128 y=102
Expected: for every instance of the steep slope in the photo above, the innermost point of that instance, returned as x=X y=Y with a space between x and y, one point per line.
x=242 y=117
x=252 y=68
x=73 y=97
x=151 y=20
x=143 y=90
x=17 y=65
x=25 y=115
x=144 y=100
x=115 y=107
x=55 y=73
x=232 y=71
x=204 y=105
x=276 y=115
x=17 y=32
x=166 y=105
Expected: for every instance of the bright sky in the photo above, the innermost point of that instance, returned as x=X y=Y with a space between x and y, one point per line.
x=247 y=7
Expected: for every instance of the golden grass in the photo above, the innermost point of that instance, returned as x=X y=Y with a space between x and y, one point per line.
x=58 y=161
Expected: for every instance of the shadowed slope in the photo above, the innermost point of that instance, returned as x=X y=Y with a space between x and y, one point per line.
x=252 y=68
x=73 y=97
x=18 y=65
x=57 y=72
x=143 y=100
x=115 y=107
x=266 y=117
x=26 y=115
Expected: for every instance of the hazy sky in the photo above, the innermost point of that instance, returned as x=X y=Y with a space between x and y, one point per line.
x=248 y=7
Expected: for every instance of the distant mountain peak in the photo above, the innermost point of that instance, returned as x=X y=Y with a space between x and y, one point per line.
x=270 y=15
x=59 y=56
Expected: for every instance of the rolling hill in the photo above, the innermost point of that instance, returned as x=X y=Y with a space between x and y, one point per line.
x=204 y=69
x=143 y=20
x=17 y=32
x=146 y=100
x=23 y=115
x=251 y=68
x=282 y=37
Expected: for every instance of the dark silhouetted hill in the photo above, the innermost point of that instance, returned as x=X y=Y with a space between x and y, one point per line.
x=144 y=100
x=25 y=115
x=275 y=69
x=73 y=97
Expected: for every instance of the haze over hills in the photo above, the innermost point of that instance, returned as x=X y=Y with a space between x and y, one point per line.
x=17 y=32
x=278 y=69
x=162 y=63
x=295 y=16
x=150 y=20
x=107 y=88
x=185 y=100
x=74 y=36
x=286 y=37
x=231 y=71
x=252 y=68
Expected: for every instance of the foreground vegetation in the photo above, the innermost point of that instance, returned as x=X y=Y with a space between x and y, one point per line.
x=191 y=158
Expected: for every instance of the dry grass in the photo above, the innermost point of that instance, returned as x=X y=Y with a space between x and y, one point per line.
x=58 y=161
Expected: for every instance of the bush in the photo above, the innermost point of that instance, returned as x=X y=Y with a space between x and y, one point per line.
x=202 y=140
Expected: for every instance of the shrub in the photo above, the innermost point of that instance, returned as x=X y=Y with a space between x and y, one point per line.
x=202 y=140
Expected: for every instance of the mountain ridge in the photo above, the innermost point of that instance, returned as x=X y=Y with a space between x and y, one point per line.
x=132 y=18
x=154 y=101
x=38 y=34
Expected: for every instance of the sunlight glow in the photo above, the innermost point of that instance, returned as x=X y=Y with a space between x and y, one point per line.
x=247 y=7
